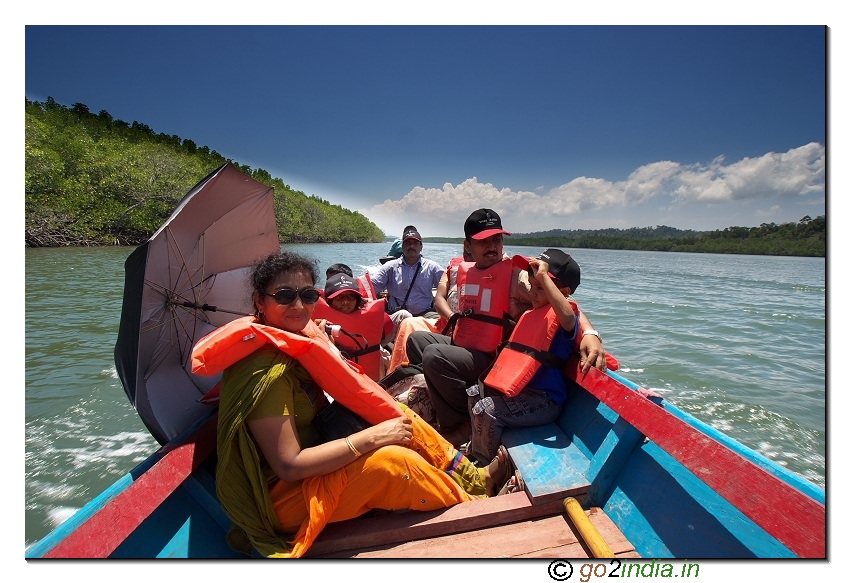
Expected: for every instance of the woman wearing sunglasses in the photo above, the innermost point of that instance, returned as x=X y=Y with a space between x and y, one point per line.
x=268 y=401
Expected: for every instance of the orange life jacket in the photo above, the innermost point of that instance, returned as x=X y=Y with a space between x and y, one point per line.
x=483 y=302
x=367 y=288
x=343 y=380
x=526 y=351
x=367 y=326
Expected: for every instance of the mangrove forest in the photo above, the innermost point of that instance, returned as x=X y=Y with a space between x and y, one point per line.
x=92 y=179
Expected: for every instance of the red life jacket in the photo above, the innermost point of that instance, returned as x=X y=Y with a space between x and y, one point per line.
x=343 y=380
x=483 y=302
x=368 y=323
x=367 y=288
x=526 y=351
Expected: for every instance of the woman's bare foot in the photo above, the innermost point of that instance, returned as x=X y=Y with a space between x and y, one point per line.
x=496 y=472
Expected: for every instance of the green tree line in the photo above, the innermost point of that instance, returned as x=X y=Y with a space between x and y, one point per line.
x=95 y=180
x=805 y=238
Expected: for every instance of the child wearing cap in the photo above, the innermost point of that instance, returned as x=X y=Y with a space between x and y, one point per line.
x=525 y=385
x=342 y=297
x=364 y=323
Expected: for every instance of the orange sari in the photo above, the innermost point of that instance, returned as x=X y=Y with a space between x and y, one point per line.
x=427 y=475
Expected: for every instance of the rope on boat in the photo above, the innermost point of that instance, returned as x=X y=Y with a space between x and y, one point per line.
x=591 y=536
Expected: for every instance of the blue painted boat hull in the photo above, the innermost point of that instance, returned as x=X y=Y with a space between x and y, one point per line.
x=663 y=508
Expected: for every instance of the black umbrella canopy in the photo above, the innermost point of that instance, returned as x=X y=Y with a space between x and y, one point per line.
x=189 y=278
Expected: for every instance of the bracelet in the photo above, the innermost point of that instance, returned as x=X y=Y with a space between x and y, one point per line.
x=592 y=333
x=353 y=449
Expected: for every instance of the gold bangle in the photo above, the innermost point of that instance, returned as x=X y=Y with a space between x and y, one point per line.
x=353 y=449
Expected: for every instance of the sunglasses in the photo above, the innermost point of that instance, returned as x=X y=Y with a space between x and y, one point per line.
x=286 y=296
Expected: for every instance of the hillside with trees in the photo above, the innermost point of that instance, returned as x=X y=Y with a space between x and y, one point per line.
x=805 y=238
x=95 y=180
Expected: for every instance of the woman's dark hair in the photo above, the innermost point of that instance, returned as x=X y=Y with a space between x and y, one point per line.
x=269 y=267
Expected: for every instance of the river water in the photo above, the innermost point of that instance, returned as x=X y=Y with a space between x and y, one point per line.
x=736 y=341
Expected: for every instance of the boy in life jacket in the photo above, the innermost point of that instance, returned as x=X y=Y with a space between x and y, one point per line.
x=364 y=323
x=525 y=385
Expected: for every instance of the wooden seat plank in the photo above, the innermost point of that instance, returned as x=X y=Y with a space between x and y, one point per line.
x=544 y=537
x=406 y=526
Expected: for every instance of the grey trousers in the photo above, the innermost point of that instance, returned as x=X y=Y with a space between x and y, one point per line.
x=492 y=411
x=448 y=370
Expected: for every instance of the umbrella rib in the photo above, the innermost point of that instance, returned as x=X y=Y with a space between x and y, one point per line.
x=172 y=297
x=184 y=264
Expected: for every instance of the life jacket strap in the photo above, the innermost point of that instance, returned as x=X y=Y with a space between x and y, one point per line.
x=541 y=356
x=470 y=313
x=352 y=354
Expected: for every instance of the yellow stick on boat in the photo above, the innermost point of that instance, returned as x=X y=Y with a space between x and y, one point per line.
x=594 y=541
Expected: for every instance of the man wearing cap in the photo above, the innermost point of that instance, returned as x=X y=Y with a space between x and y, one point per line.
x=493 y=295
x=408 y=280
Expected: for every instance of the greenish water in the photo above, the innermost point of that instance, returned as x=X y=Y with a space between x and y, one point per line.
x=737 y=341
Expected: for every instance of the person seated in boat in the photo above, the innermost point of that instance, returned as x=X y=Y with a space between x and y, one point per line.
x=364 y=282
x=276 y=481
x=394 y=253
x=492 y=295
x=337 y=268
x=408 y=281
x=363 y=323
x=445 y=304
x=522 y=388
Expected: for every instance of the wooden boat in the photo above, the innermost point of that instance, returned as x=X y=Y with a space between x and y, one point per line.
x=653 y=481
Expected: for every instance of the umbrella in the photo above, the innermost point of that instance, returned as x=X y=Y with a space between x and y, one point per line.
x=189 y=278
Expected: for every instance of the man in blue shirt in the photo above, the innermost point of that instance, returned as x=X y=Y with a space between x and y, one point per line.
x=395 y=277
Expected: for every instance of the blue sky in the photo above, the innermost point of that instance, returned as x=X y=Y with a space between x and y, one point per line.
x=554 y=127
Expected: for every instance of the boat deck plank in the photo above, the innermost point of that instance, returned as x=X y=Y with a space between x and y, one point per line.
x=551 y=536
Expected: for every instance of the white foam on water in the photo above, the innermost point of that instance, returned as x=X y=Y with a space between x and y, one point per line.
x=59 y=514
x=628 y=370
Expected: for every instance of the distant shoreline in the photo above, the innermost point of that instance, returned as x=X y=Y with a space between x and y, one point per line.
x=662 y=246
x=774 y=247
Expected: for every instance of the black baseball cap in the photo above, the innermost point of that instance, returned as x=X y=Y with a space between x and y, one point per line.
x=410 y=232
x=483 y=223
x=561 y=267
x=339 y=283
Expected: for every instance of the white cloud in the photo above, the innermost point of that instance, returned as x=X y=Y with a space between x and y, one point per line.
x=796 y=173
x=773 y=211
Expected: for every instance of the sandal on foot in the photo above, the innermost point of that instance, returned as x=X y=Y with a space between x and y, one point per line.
x=514 y=484
x=510 y=471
